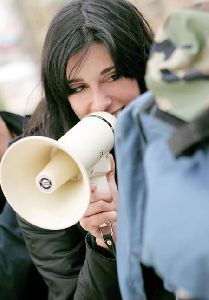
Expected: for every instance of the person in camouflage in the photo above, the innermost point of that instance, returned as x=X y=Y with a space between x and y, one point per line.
x=165 y=205
x=179 y=58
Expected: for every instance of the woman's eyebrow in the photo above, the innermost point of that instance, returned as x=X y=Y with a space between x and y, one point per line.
x=106 y=70
x=74 y=80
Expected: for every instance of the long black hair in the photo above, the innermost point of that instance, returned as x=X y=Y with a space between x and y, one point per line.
x=116 y=24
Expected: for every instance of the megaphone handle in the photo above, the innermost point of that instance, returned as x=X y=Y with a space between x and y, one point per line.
x=99 y=172
x=98 y=177
x=100 y=182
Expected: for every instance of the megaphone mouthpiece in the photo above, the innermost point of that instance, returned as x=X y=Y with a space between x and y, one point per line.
x=59 y=170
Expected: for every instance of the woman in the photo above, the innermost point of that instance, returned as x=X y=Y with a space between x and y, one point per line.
x=93 y=59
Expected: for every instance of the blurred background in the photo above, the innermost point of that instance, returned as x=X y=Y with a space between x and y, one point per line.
x=23 y=25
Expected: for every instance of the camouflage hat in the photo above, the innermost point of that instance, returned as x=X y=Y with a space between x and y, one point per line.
x=178 y=68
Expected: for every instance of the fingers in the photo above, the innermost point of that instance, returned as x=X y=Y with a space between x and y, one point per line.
x=98 y=219
x=106 y=195
x=91 y=223
x=100 y=206
x=100 y=212
x=97 y=195
x=111 y=180
x=112 y=169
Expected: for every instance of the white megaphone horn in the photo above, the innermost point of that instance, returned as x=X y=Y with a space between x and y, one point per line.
x=47 y=182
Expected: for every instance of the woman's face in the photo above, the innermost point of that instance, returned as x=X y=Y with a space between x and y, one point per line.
x=97 y=86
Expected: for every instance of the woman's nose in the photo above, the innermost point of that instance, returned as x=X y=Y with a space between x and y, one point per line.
x=100 y=101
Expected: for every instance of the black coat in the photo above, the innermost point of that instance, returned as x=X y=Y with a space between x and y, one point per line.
x=71 y=263
x=19 y=279
x=74 y=268
x=14 y=123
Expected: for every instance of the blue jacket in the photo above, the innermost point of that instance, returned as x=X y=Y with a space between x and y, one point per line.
x=163 y=205
x=129 y=147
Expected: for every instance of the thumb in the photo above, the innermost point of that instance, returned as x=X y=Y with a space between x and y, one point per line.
x=111 y=178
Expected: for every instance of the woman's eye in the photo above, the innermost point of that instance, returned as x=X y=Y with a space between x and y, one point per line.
x=76 y=90
x=113 y=77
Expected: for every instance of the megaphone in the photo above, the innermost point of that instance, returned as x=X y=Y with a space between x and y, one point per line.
x=47 y=182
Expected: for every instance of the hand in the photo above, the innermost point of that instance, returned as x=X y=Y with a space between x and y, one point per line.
x=102 y=208
x=5 y=137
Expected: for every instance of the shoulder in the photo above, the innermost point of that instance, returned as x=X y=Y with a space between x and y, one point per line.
x=14 y=121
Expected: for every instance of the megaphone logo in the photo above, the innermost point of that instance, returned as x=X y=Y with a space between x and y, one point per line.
x=47 y=182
